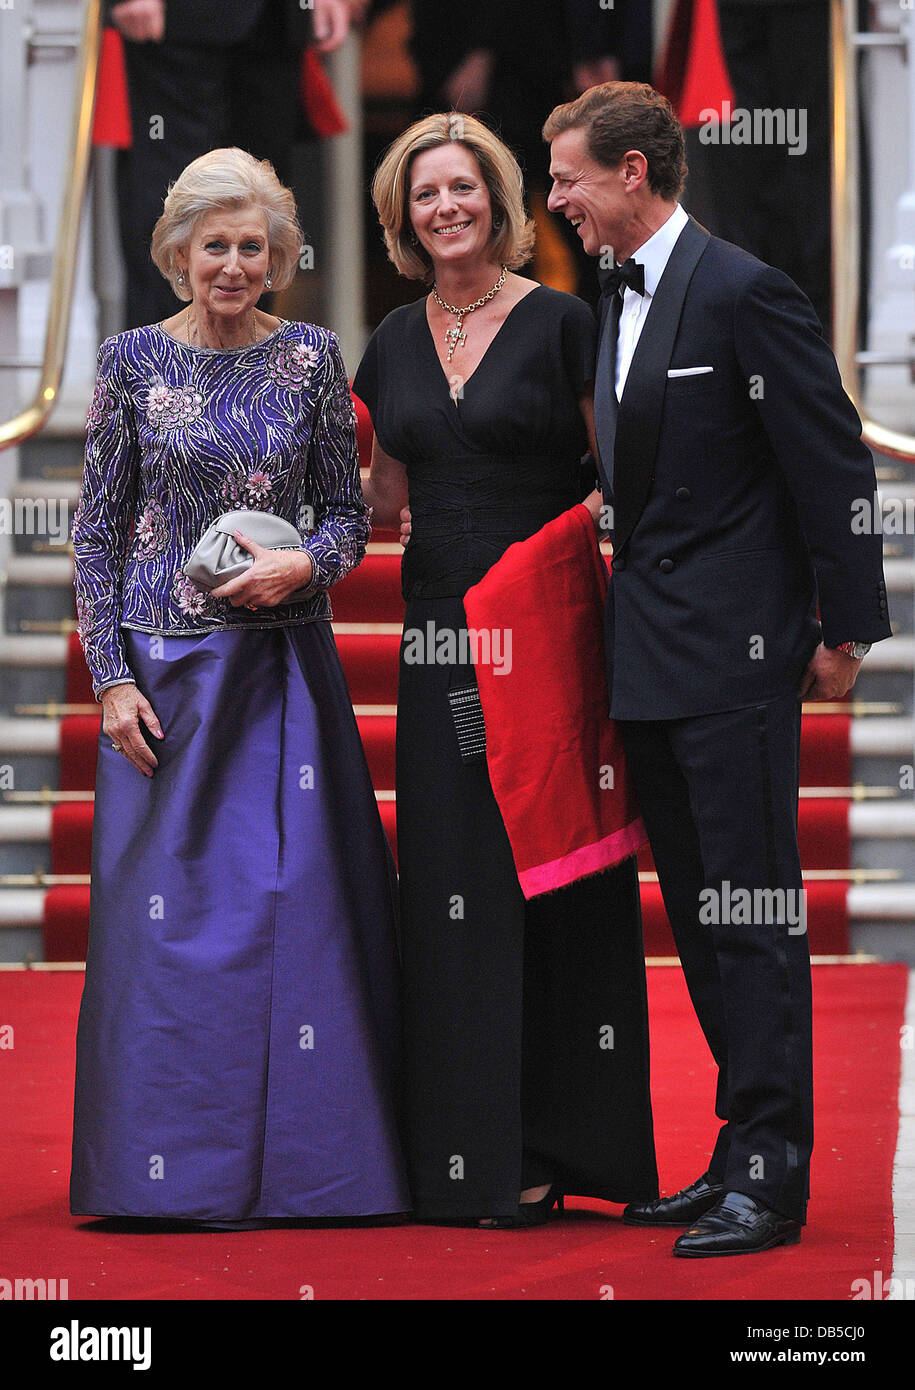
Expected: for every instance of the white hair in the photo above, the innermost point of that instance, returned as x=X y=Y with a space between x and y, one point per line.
x=220 y=179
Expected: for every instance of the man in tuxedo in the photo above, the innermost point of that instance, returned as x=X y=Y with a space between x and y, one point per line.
x=729 y=460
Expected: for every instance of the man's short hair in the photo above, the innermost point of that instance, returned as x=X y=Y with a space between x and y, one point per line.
x=622 y=116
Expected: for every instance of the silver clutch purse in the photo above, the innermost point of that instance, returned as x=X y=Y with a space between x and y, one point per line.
x=217 y=556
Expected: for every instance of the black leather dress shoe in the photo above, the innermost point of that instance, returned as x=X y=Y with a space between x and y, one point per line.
x=737 y=1225
x=678 y=1210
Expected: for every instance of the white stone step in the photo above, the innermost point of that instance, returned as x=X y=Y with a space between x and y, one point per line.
x=21 y=907
x=866 y=902
x=890 y=488
x=47 y=571
x=899 y=575
x=25 y=824
x=870 y=738
x=18 y=649
x=48 y=489
x=894 y=654
x=883 y=738
x=24 y=736
x=869 y=820
x=28 y=649
x=882 y=820
x=888 y=902
x=51 y=570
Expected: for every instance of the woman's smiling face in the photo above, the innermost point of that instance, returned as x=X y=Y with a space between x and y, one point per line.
x=227 y=261
x=449 y=204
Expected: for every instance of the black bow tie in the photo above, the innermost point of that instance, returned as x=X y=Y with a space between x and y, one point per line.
x=631 y=273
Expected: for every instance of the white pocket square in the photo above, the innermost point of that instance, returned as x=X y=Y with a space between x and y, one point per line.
x=689 y=371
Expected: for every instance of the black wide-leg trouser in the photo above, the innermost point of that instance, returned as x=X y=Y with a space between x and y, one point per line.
x=719 y=798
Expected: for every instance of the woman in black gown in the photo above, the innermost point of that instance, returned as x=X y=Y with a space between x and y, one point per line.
x=481 y=419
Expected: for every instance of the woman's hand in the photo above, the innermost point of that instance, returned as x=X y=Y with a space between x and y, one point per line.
x=123 y=706
x=406 y=526
x=274 y=575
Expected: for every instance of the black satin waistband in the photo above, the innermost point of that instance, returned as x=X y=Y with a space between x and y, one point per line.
x=473 y=520
x=469 y=508
x=450 y=464
x=453 y=548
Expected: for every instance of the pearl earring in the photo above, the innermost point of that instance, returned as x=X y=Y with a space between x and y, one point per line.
x=268 y=279
x=180 y=277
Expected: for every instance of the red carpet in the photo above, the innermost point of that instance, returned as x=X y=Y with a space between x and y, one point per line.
x=858 y=1012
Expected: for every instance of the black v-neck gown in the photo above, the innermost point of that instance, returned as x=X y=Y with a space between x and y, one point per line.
x=510 y=1078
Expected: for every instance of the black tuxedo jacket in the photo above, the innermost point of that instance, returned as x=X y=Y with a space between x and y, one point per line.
x=732 y=494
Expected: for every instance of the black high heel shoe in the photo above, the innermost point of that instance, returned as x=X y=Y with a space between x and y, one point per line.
x=529 y=1213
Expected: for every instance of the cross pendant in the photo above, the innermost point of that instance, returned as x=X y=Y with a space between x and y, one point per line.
x=455 y=337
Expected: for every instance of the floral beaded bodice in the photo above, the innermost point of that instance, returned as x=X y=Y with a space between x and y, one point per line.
x=178 y=434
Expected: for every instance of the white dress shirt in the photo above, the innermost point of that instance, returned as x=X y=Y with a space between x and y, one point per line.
x=653 y=255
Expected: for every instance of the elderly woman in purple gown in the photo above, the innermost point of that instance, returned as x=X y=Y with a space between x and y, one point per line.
x=237 y=1052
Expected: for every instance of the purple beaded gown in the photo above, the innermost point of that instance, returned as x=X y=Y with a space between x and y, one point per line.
x=239 y=1035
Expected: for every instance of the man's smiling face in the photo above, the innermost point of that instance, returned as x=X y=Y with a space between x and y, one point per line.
x=588 y=194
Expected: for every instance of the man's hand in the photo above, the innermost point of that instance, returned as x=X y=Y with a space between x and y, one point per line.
x=331 y=24
x=274 y=575
x=406 y=525
x=123 y=707
x=140 y=21
x=595 y=71
x=467 y=88
x=830 y=674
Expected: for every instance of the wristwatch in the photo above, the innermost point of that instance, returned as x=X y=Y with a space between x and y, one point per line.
x=856 y=649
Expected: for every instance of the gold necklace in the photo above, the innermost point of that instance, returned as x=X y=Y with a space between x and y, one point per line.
x=187 y=329
x=455 y=336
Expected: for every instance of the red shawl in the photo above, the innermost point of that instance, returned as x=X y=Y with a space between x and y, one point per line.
x=555 y=758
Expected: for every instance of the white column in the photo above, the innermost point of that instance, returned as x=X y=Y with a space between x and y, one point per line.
x=343 y=179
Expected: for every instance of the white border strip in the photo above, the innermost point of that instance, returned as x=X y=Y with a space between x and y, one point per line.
x=904 y=1163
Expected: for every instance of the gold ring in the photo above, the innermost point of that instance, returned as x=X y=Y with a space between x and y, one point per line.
x=252 y=606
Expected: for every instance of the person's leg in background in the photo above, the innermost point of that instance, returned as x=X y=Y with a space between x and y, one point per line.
x=177 y=111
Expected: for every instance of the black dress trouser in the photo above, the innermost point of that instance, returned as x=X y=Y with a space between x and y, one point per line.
x=184 y=101
x=770 y=200
x=719 y=798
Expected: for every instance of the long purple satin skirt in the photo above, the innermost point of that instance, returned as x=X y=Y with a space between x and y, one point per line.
x=238 y=1048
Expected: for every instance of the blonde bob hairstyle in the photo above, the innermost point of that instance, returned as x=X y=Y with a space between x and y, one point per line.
x=513 y=230
x=223 y=179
